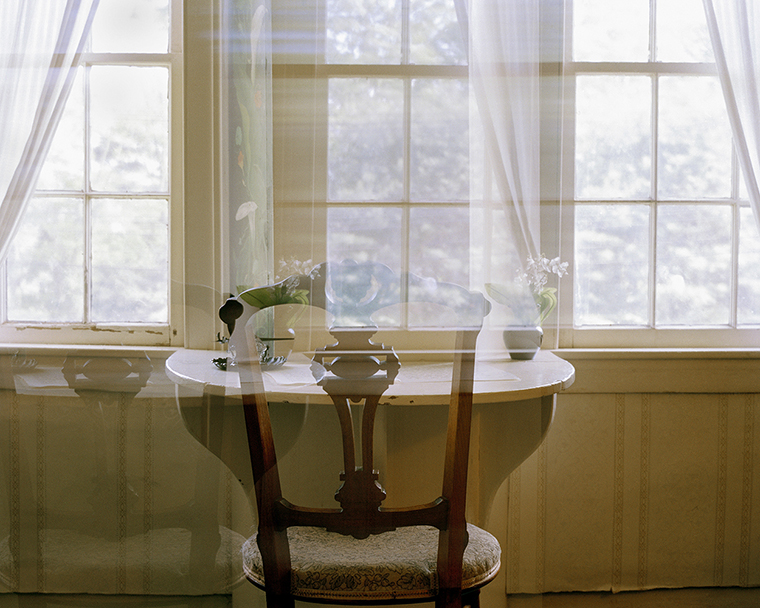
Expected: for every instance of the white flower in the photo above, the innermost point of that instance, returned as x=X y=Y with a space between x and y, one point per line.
x=557 y=267
x=537 y=271
x=293 y=266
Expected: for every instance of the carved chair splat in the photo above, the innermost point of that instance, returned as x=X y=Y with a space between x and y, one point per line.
x=424 y=552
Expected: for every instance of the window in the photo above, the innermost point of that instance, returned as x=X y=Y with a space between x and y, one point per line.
x=371 y=136
x=663 y=238
x=93 y=250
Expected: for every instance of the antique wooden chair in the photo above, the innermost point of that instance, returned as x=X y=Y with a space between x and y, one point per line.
x=362 y=552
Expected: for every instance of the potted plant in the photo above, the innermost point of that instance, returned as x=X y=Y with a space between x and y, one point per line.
x=273 y=323
x=531 y=301
x=274 y=326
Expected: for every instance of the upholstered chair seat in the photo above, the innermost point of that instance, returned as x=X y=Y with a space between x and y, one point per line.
x=397 y=565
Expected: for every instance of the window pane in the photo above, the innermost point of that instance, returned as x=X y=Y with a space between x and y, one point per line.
x=46 y=263
x=610 y=30
x=365 y=153
x=363 y=31
x=366 y=234
x=439 y=243
x=749 y=269
x=694 y=139
x=440 y=141
x=64 y=165
x=436 y=37
x=131 y=26
x=693 y=265
x=129 y=129
x=613 y=140
x=130 y=260
x=611 y=264
x=682 y=31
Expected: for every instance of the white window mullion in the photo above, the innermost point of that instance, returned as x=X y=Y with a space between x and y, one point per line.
x=736 y=178
x=87 y=312
x=652 y=30
x=735 y=227
x=407 y=130
x=653 y=208
x=405 y=34
x=87 y=228
x=175 y=29
x=406 y=220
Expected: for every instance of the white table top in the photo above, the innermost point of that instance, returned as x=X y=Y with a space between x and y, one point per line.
x=497 y=379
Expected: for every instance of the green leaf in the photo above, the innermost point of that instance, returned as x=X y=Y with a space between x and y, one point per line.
x=501 y=294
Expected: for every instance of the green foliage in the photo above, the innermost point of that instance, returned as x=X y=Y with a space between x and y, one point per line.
x=515 y=296
x=272 y=295
x=528 y=298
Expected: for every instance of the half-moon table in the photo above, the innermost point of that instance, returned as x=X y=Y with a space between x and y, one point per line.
x=514 y=404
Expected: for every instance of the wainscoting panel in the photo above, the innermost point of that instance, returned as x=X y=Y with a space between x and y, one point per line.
x=104 y=491
x=638 y=491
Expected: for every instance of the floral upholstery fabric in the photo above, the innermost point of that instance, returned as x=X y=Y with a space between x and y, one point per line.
x=399 y=564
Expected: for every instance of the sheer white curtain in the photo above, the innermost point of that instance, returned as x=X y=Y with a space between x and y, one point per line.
x=735 y=32
x=40 y=45
x=505 y=155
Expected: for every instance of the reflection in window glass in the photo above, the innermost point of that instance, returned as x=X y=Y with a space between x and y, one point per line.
x=749 y=270
x=439 y=244
x=694 y=142
x=130 y=260
x=613 y=140
x=439 y=140
x=129 y=129
x=363 y=31
x=693 y=265
x=365 y=153
x=611 y=264
x=365 y=234
x=131 y=26
x=610 y=30
x=436 y=36
x=46 y=262
x=682 y=31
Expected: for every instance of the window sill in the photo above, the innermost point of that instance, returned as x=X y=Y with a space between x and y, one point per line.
x=664 y=370
x=59 y=350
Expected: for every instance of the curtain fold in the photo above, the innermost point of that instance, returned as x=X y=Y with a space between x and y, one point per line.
x=40 y=46
x=734 y=27
x=504 y=74
x=505 y=152
x=250 y=131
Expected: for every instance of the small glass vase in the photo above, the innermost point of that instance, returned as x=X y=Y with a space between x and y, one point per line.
x=523 y=342
x=274 y=351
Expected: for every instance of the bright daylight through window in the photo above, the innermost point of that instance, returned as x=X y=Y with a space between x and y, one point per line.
x=393 y=105
x=93 y=246
x=663 y=233
x=397 y=157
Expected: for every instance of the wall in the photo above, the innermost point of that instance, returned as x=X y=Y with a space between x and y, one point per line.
x=647 y=478
x=103 y=489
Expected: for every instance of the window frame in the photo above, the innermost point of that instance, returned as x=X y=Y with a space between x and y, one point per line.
x=301 y=136
x=624 y=337
x=133 y=334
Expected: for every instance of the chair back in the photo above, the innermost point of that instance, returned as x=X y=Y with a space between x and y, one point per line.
x=355 y=370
